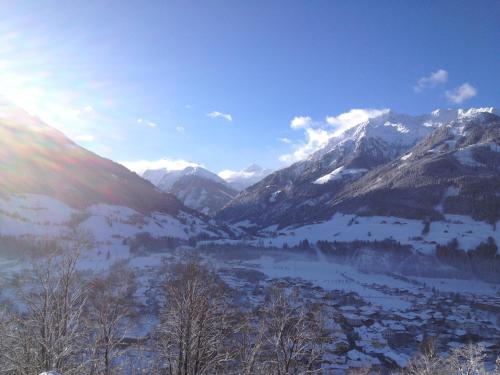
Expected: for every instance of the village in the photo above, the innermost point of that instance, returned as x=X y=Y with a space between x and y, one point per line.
x=367 y=335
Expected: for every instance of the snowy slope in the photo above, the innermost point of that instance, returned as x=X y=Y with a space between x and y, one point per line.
x=42 y=216
x=348 y=228
x=50 y=186
x=38 y=159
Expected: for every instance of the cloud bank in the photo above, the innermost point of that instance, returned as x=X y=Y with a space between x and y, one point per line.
x=140 y=166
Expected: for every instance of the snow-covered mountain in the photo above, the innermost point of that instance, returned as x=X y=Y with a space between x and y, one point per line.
x=165 y=178
x=50 y=185
x=338 y=177
x=196 y=187
x=240 y=180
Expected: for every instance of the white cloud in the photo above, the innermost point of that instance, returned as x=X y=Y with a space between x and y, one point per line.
x=85 y=111
x=300 y=122
x=217 y=114
x=441 y=76
x=139 y=166
x=180 y=129
x=228 y=174
x=354 y=117
x=315 y=139
x=461 y=94
x=285 y=140
x=148 y=123
x=317 y=134
x=84 y=138
x=243 y=178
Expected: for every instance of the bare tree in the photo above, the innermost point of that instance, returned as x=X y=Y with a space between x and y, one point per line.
x=109 y=309
x=427 y=362
x=47 y=332
x=497 y=366
x=194 y=324
x=248 y=341
x=467 y=360
x=295 y=336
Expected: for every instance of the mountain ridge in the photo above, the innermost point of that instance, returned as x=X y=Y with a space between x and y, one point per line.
x=39 y=159
x=290 y=196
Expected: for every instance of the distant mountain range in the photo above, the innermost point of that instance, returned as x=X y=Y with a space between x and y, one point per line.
x=196 y=187
x=377 y=174
x=202 y=190
x=394 y=164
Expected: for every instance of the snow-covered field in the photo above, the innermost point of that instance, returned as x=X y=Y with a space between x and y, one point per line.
x=347 y=228
x=39 y=215
x=377 y=288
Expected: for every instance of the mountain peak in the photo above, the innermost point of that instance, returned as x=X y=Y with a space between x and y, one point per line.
x=165 y=178
x=253 y=168
x=476 y=112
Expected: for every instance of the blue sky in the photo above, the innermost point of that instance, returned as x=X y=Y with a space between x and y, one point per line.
x=230 y=83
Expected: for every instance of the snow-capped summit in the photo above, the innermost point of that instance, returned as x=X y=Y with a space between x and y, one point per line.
x=400 y=129
x=471 y=112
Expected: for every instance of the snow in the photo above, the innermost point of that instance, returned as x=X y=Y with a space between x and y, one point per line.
x=347 y=228
x=400 y=129
x=37 y=208
x=40 y=215
x=406 y=157
x=452 y=191
x=33 y=214
x=195 y=200
x=274 y=196
x=337 y=174
x=465 y=157
x=361 y=359
x=328 y=275
x=400 y=359
x=454 y=285
x=475 y=112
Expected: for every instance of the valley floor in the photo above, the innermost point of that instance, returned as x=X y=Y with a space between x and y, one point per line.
x=377 y=318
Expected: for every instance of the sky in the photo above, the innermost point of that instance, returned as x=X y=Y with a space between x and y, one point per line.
x=229 y=83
